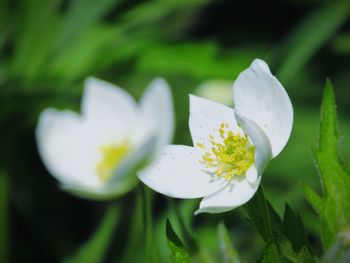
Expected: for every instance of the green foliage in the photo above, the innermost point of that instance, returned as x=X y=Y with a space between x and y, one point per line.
x=258 y=211
x=3 y=215
x=294 y=229
x=285 y=240
x=135 y=241
x=48 y=47
x=270 y=253
x=96 y=247
x=313 y=32
x=179 y=253
x=182 y=60
x=281 y=250
x=151 y=252
x=188 y=238
x=341 y=43
x=52 y=45
x=228 y=251
x=334 y=205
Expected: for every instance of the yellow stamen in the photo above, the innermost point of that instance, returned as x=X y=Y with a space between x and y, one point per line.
x=200 y=145
x=230 y=158
x=112 y=157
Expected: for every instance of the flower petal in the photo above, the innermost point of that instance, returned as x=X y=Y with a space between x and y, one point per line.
x=178 y=174
x=260 y=97
x=237 y=193
x=156 y=115
x=206 y=117
x=65 y=147
x=106 y=105
x=124 y=177
x=261 y=143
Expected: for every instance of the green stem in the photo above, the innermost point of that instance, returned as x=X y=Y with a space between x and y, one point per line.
x=95 y=248
x=151 y=252
x=258 y=212
x=187 y=235
x=135 y=230
x=266 y=213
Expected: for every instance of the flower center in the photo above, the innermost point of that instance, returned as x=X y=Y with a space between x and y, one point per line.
x=112 y=156
x=231 y=157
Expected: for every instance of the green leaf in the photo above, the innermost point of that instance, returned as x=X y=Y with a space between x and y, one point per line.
x=286 y=239
x=188 y=238
x=314 y=199
x=281 y=250
x=276 y=222
x=135 y=243
x=270 y=253
x=86 y=50
x=305 y=256
x=258 y=212
x=334 y=206
x=94 y=250
x=179 y=253
x=89 y=12
x=151 y=244
x=36 y=31
x=184 y=59
x=294 y=229
x=228 y=252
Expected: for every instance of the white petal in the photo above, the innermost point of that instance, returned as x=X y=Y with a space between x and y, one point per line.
x=65 y=147
x=239 y=192
x=124 y=178
x=206 y=116
x=260 y=97
x=178 y=174
x=108 y=106
x=156 y=115
x=261 y=143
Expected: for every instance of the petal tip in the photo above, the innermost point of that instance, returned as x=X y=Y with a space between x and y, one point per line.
x=213 y=210
x=197 y=212
x=260 y=97
x=92 y=82
x=160 y=87
x=260 y=64
x=90 y=79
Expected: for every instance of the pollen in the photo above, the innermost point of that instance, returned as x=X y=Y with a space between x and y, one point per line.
x=230 y=157
x=112 y=156
x=200 y=145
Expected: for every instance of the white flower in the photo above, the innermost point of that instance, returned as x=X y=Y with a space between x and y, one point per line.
x=231 y=146
x=97 y=154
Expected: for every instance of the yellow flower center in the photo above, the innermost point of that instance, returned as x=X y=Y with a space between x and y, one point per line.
x=230 y=158
x=112 y=157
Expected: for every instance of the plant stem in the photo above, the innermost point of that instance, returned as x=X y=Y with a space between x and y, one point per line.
x=95 y=248
x=151 y=246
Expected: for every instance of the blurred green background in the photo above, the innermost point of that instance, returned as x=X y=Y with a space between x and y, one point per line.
x=48 y=47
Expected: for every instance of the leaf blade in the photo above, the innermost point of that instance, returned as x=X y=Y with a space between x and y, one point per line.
x=95 y=248
x=179 y=253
